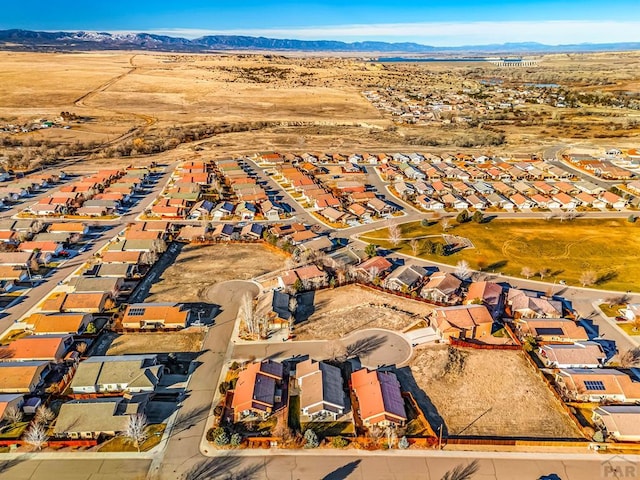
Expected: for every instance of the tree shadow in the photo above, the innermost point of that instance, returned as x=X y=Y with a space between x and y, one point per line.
x=365 y=346
x=496 y=265
x=225 y=467
x=343 y=472
x=607 y=277
x=190 y=419
x=462 y=471
x=7 y=465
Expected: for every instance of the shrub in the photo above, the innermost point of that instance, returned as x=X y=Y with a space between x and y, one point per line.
x=339 y=442
x=403 y=444
x=311 y=439
x=462 y=217
x=218 y=410
x=222 y=439
x=236 y=440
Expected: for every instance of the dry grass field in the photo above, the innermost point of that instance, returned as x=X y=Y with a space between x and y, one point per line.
x=346 y=309
x=188 y=340
x=497 y=393
x=199 y=267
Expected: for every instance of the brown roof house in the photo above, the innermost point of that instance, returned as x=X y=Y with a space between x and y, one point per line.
x=36 y=347
x=488 y=294
x=379 y=398
x=462 y=321
x=257 y=391
x=524 y=304
x=322 y=393
x=552 y=330
x=619 y=422
x=164 y=315
x=442 y=287
x=572 y=355
x=57 y=323
x=598 y=385
x=22 y=377
x=373 y=268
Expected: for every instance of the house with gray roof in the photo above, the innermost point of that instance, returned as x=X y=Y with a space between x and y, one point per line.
x=405 y=277
x=92 y=418
x=117 y=374
x=322 y=395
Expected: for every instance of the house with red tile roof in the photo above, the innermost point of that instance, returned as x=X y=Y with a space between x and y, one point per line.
x=442 y=287
x=51 y=348
x=373 y=267
x=598 y=385
x=257 y=391
x=379 y=398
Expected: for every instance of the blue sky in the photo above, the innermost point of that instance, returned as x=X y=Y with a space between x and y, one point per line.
x=436 y=22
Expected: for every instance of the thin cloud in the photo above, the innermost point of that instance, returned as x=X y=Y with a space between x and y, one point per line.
x=447 y=33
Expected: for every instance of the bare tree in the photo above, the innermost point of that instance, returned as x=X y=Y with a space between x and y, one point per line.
x=445 y=223
x=394 y=233
x=463 y=270
x=12 y=415
x=630 y=358
x=135 y=431
x=81 y=348
x=588 y=278
x=543 y=272
x=462 y=472
x=36 y=436
x=527 y=272
x=415 y=246
x=374 y=274
x=247 y=315
x=335 y=350
x=44 y=415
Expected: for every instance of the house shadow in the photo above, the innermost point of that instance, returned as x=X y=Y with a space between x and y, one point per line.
x=408 y=383
x=305 y=306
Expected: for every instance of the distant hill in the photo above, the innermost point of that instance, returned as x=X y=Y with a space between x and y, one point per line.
x=27 y=40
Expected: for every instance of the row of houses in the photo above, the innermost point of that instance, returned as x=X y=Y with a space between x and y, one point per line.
x=102 y=193
x=321 y=389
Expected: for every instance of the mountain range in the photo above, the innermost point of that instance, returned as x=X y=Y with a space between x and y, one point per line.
x=27 y=40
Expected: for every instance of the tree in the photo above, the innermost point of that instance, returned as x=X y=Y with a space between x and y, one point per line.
x=403 y=444
x=543 y=272
x=631 y=218
x=13 y=415
x=394 y=233
x=463 y=271
x=91 y=328
x=445 y=224
x=415 y=246
x=246 y=313
x=44 y=415
x=636 y=324
x=135 y=431
x=339 y=442
x=81 y=348
x=298 y=286
x=588 y=278
x=371 y=250
x=462 y=472
x=527 y=272
x=36 y=436
x=424 y=223
x=478 y=216
x=630 y=358
x=311 y=439
x=463 y=217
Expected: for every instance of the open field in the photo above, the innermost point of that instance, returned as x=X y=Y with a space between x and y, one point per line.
x=608 y=247
x=188 y=340
x=497 y=393
x=199 y=267
x=346 y=309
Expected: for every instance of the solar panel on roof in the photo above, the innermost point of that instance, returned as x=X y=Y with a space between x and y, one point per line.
x=549 y=331
x=594 y=385
x=136 y=312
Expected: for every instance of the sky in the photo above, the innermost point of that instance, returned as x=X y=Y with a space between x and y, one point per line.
x=432 y=22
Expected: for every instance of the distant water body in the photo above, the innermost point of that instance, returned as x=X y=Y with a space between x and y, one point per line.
x=434 y=59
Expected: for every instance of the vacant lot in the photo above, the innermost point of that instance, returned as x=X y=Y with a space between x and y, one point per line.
x=608 y=247
x=199 y=267
x=495 y=393
x=343 y=310
x=189 y=340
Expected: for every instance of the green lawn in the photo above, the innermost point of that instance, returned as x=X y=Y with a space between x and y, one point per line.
x=608 y=247
x=330 y=429
x=122 y=444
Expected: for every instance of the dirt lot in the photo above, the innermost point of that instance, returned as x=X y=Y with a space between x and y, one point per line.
x=497 y=393
x=189 y=340
x=343 y=310
x=199 y=267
